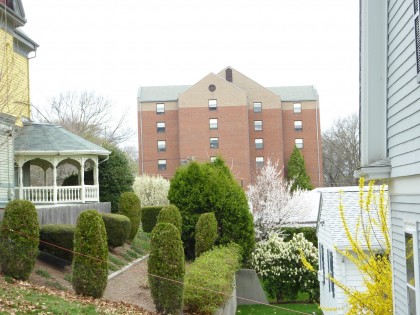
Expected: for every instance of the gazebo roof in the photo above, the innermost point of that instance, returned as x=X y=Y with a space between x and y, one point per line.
x=48 y=139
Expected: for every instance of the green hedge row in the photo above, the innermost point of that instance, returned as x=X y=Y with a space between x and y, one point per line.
x=61 y=235
x=213 y=270
x=149 y=217
x=118 y=228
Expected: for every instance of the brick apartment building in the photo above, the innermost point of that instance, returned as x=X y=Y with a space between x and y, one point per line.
x=230 y=115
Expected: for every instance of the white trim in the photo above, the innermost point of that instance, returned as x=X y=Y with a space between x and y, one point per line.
x=411 y=228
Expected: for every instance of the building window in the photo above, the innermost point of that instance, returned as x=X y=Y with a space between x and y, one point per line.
x=213 y=123
x=259 y=143
x=162 y=165
x=259 y=161
x=298 y=125
x=410 y=261
x=212 y=104
x=214 y=142
x=297 y=108
x=299 y=143
x=330 y=260
x=213 y=158
x=160 y=127
x=258 y=125
x=161 y=145
x=322 y=263
x=257 y=107
x=160 y=108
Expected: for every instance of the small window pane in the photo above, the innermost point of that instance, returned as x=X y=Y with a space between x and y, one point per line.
x=259 y=161
x=161 y=145
x=411 y=282
x=299 y=143
x=258 y=125
x=160 y=126
x=214 y=142
x=298 y=125
x=257 y=107
x=213 y=123
x=212 y=104
x=162 y=165
x=297 y=107
x=259 y=143
x=160 y=108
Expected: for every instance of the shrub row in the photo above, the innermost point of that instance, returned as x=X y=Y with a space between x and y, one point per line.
x=149 y=217
x=213 y=270
x=61 y=235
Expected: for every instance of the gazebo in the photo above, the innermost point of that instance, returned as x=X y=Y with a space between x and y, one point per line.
x=43 y=152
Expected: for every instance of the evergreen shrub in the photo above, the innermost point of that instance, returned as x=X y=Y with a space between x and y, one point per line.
x=210 y=275
x=149 y=217
x=308 y=232
x=129 y=206
x=205 y=233
x=171 y=214
x=166 y=261
x=118 y=228
x=90 y=272
x=61 y=235
x=19 y=239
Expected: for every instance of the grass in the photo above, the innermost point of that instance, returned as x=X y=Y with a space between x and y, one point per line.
x=43 y=273
x=279 y=309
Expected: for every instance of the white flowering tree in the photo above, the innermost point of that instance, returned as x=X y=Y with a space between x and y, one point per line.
x=152 y=190
x=280 y=266
x=273 y=203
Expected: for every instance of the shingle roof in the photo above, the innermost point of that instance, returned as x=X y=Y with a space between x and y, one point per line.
x=47 y=139
x=160 y=93
x=295 y=93
x=329 y=213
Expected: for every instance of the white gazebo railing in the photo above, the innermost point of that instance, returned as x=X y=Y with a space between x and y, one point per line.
x=62 y=194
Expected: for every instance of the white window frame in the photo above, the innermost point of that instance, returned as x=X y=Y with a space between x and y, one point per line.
x=411 y=228
x=160 y=108
x=330 y=263
x=297 y=108
x=212 y=104
x=162 y=165
x=259 y=143
x=299 y=143
x=214 y=142
x=298 y=124
x=161 y=145
x=258 y=127
x=257 y=107
x=161 y=128
x=322 y=263
x=259 y=161
x=213 y=123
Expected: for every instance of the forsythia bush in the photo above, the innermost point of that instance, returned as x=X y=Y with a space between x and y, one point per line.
x=279 y=265
x=152 y=190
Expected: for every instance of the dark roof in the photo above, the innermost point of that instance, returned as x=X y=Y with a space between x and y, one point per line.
x=48 y=139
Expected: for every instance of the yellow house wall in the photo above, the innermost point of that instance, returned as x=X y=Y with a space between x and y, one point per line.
x=14 y=79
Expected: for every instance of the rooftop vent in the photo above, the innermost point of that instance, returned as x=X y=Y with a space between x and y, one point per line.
x=229 y=74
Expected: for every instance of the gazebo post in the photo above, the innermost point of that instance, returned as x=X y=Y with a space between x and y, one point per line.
x=20 y=172
x=82 y=177
x=55 y=190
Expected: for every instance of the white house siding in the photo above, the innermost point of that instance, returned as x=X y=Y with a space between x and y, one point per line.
x=403 y=126
x=6 y=166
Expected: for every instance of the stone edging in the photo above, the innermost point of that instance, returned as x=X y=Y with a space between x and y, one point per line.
x=118 y=272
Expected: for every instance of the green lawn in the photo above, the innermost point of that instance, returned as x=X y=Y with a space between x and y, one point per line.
x=279 y=309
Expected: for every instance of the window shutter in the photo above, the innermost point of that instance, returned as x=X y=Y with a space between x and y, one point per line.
x=417 y=33
x=332 y=273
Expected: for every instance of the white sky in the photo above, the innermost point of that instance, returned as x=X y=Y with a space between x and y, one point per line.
x=113 y=47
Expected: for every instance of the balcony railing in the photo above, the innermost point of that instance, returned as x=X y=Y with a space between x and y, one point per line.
x=63 y=194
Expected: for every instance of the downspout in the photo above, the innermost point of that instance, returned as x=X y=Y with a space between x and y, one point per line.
x=317 y=142
x=141 y=138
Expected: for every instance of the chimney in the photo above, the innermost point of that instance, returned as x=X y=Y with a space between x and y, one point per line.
x=229 y=74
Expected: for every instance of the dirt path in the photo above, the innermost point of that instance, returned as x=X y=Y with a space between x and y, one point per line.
x=131 y=287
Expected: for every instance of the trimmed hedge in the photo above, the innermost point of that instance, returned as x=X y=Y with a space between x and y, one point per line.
x=130 y=206
x=166 y=261
x=213 y=271
x=149 y=217
x=61 y=235
x=171 y=214
x=205 y=233
x=118 y=228
x=308 y=232
x=19 y=239
x=90 y=268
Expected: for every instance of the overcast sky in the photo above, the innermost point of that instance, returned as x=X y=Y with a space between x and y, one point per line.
x=113 y=47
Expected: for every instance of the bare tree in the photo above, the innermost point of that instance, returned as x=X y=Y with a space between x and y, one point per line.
x=340 y=149
x=273 y=202
x=87 y=115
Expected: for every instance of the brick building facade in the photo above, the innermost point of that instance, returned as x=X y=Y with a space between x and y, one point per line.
x=230 y=115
